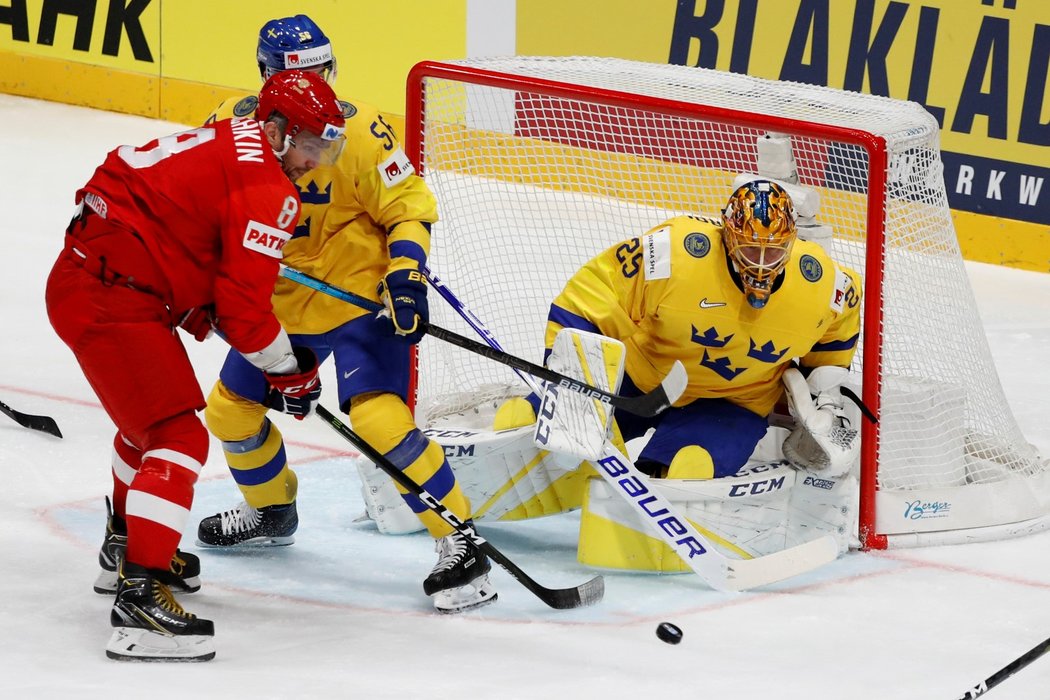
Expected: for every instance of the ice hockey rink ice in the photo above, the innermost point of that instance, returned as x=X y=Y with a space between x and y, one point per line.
x=341 y=614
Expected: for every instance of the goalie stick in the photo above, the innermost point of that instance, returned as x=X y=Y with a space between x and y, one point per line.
x=45 y=424
x=719 y=571
x=648 y=404
x=559 y=598
x=1007 y=671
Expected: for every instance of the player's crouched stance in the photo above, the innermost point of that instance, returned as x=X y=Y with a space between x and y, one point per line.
x=739 y=302
x=187 y=231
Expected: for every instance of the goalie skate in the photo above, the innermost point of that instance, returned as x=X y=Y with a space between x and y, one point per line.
x=244 y=525
x=185 y=567
x=459 y=580
x=149 y=625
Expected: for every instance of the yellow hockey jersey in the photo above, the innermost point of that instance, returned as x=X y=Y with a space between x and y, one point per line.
x=352 y=213
x=670 y=295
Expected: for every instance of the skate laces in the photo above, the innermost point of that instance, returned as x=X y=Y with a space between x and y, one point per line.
x=451 y=549
x=239 y=519
x=165 y=599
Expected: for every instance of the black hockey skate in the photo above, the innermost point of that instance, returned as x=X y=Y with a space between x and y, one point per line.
x=244 y=525
x=459 y=580
x=150 y=625
x=185 y=567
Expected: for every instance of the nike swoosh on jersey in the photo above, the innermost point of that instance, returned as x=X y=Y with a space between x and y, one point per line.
x=347 y=375
x=705 y=304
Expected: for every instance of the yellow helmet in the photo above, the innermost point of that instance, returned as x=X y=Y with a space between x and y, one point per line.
x=758 y=232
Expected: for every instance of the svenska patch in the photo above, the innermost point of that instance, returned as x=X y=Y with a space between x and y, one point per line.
x=697 y=244
x=811 y=268
x=264 y=239
x=395 y=169
x=348 y=109
x=246 y=106
x=656 y=254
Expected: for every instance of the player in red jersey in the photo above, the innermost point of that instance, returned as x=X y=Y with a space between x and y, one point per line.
x=186 y=230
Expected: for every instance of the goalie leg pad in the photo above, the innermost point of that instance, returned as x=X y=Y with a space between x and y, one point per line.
x=513 y=413
x=383 y=503
x=385 y=422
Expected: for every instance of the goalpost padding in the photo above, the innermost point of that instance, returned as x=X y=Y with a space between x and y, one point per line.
x=540 y=163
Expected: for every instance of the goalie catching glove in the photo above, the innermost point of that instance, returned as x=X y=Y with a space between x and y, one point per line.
x=823 y=440
x=297 y=393
x=404 y=294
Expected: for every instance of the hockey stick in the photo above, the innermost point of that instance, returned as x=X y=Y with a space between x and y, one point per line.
x=44 y=424
x=1007 y=671
x=696 y=550
x=559 y=598
x=648 y=404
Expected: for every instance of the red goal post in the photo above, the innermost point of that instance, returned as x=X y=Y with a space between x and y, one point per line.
x=540 y=163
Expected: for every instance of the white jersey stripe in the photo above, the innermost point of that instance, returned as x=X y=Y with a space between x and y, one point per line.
x=174 y=457
x=149 y=507
x=122 y=470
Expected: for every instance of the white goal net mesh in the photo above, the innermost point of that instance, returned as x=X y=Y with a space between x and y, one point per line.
x=534 y=179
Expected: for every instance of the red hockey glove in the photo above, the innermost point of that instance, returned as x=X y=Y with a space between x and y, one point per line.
x=199 y=322
x=296 y=394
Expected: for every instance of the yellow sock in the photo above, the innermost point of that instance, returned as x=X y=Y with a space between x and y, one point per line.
x=691 y=462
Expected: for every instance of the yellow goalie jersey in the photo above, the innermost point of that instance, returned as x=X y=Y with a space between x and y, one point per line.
x=352 y=212
x=671 y=295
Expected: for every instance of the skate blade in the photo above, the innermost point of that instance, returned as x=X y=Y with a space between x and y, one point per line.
x=106 y=584
x=475 y=594
x=134 y=644
x=254 y=542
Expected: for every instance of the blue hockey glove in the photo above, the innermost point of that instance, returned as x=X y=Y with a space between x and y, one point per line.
x=404 y=294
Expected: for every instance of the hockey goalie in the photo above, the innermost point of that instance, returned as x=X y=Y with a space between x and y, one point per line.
x=763 y=321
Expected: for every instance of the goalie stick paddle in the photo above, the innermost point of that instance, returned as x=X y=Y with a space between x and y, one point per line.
x=717 y=570
x=45 y=424
x=559 y=598
x=1007 y=671
x=648 y=404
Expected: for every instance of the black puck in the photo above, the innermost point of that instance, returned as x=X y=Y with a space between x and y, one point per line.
x=668 y=633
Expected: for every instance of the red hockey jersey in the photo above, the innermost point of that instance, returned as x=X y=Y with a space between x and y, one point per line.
x=214 y=209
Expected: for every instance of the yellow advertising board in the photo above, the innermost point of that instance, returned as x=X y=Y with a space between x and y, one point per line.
x=109 y=53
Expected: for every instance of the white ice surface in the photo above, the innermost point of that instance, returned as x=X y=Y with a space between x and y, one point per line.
x=341 y=614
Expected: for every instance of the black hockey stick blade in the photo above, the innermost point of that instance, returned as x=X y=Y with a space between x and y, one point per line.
x=587 y=593
x=1006 y=671
x=45 y=424
x=649 y=404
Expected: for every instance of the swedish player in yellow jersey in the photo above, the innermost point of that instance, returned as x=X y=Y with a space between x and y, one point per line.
x=365 y=224
x=736 y=303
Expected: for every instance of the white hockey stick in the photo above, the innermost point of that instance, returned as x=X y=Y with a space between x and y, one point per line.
x=717 y=570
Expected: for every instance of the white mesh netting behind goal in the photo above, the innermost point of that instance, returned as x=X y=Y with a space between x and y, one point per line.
x=538 y=164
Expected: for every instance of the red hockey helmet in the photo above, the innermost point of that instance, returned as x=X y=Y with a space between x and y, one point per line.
x=308 y=103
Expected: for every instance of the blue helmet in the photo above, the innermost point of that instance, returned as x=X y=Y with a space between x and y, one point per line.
x=295 y=42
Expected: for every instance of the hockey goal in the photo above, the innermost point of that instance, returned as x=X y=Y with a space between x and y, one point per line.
x=540 y=163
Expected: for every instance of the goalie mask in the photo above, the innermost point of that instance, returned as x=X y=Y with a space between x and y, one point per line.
x=758 y=233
